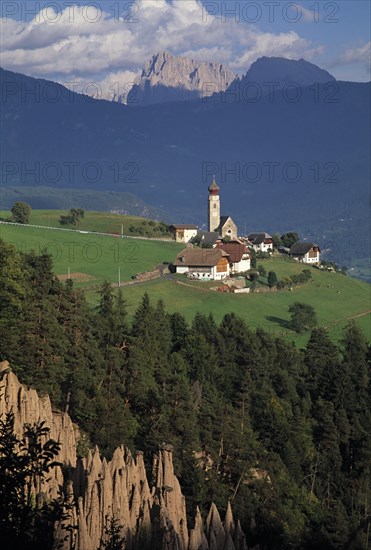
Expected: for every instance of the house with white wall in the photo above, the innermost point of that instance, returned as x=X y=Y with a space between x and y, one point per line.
x=306 y=252
x=183 y=233
x=261 y=242
x=239 y=255
x=203 y=263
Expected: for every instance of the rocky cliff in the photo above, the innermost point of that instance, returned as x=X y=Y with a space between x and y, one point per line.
x=151 y=511
x=167 y=77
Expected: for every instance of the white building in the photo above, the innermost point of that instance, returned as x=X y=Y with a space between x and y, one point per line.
x=183 y=233
x=203 y=263
x=261 y=242
x=239 y=255
x=306 y=252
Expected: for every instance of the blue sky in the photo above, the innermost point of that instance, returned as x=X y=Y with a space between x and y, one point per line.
x=108 y=41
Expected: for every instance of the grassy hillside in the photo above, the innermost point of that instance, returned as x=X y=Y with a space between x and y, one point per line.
x=270 y=310
x=336 y=298
x=101 y=222
x=43 y=197
x=94 y=255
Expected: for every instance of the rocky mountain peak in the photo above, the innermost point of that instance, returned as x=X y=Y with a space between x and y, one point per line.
x=286 y=71
x=167 y=77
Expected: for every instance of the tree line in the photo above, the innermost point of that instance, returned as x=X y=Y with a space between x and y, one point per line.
x=282 y=432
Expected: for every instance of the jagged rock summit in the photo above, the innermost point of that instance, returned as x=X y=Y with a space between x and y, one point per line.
x=286 y=71
x=151 y=511
x=167 y=77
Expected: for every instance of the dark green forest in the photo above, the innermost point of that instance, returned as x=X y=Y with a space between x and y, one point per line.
x=284 y=433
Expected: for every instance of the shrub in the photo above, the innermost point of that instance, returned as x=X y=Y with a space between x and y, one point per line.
x=21 y=212
x=303 y=317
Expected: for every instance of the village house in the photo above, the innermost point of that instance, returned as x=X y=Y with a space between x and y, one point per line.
x=183 y=233
x=306 y=252
x=203 y=263
x=239 y=255
x=261 y=242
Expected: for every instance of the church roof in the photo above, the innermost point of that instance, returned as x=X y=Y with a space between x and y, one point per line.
x=206 y=237
x=223 y=220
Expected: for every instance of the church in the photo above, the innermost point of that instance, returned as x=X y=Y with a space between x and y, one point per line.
x=223 y=225
x=218 y=226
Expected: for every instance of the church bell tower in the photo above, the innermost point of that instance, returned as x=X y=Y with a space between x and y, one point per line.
x=214 y=206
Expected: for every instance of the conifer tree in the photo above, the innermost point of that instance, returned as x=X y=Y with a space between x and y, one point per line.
x=323 y=369
x=180 y=332
x=14 y=292
x=84 y=361
x=41 y=346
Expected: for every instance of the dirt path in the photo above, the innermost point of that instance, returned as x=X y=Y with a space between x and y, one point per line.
x=360 y=315
x=94 y=233
x=192 y=286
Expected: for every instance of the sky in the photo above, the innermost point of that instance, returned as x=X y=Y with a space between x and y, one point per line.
x=103 y=44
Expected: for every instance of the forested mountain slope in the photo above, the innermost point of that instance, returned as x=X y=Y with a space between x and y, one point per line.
x=284 y=433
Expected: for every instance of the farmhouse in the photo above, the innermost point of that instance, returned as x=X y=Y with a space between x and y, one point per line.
x=239 y=255
x=261 y=242
x=306 y=252
x=183 y=233
x=203 y=263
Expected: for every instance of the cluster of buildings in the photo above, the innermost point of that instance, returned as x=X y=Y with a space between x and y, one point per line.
x=219 y=252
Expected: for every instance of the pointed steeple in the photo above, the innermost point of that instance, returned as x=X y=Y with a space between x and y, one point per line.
x=214 y=187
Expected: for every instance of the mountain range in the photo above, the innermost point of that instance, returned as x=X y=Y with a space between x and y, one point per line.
x=295 y=157
x=166 y=77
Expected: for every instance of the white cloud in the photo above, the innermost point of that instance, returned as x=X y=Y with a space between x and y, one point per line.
x=117 y=85
x=282 y=45
x=356 y=55
x=68 y=45
x=361 y=54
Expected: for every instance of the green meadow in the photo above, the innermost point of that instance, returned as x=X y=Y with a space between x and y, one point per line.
x=98 y=256
x=268 y=310
x=100 y=222
x=336 y=298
